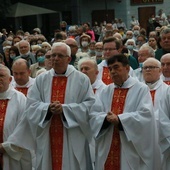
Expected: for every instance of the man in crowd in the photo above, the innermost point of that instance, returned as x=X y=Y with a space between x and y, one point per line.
x=12 y=107
x=117 y=118
x=21 y=72
x=165 y=43
x=24 y=49
x=99 y=52
x=89 y=67
x=144 y=52
x=58 y=114
x=111 y=46
x=151 y=74
x=165 y=65
x=72 y=43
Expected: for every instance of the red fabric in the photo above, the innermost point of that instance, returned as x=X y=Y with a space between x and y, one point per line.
x=153 y=95
x=113 y=159
x=56 y=128
x=167 y=82
x=106 y=76
x=23 y=90
x=3 y=107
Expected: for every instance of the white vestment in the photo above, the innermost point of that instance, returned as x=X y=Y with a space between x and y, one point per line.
x=139 y=74
x=98 y=86
x=28 y=84
x=14 y=158
x=160 y=90
x=164 y=78
x=164 y=129
x=138 y=146
x=79 y=98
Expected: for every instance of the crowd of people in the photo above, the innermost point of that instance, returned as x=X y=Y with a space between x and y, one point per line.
x=91 y=98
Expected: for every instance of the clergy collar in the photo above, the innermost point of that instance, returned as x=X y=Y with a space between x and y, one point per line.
x=119 y=86
x=152 y=85
x=128 y=83
x=62 y=74
x=7 y=93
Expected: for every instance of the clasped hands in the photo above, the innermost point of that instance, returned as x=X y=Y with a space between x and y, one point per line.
x=112 y=118
x=56 y=107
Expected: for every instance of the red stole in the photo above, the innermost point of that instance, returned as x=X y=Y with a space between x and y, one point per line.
x=167 y=82
x=113 y=159
x=106 y=76
x=56 y=128
x=23 y=90
x=3 y=107
x=94 y=90
x=153 y=95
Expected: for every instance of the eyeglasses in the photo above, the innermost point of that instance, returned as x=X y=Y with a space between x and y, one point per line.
x=109 y=49
x=149 y=67
x=58 y=55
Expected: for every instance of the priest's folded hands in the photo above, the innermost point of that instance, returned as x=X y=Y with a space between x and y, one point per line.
x=56 y=107
x=112 y=118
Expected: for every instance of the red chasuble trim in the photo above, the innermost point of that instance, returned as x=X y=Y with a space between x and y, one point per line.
x=23 y=90
x=106 y=76
x=3 y=107
x=113 y=159
x=56 y=128
x=153 y=95
x=167 y=82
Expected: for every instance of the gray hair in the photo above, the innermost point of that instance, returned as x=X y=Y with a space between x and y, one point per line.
x=59 y=44
x=153 y=60
x=164 y=31
x=85 y=59
x=6 y=69
x=147 y=47
x=23 y=41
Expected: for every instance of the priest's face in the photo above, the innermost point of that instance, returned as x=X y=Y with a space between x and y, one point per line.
x=5 y=80
x=90 y=69
x=119 y=73
x=21 y=73
x=151 y=71
x=109 y=50
x=60 y=59
x=165 y=65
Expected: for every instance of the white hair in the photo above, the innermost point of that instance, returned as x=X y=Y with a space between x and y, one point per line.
x=47 y=44
x=147 y=47
x=85 y=59
x=6 y=69
x=59 y=44
x=153 y=60
x=130 y=40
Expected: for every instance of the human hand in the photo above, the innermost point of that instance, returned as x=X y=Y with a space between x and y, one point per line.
x=56 y=107
x=112 y=118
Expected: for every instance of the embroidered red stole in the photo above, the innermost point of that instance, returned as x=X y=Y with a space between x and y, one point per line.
x=23 y=90
x=3 y=107
x=94 y=90
x=106 y=76
x=113 y=159
x=167 y=82
x=153 y=95
x=56 y=128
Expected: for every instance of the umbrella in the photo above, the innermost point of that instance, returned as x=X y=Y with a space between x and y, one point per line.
x=21 y=9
